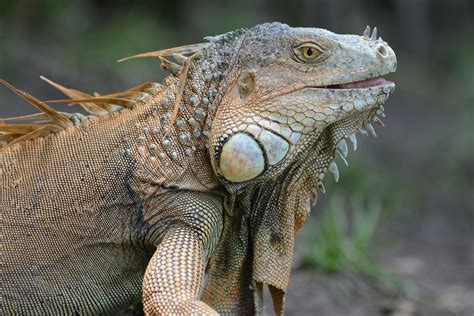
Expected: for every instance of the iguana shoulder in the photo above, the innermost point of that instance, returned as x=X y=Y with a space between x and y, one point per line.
x=78 y=217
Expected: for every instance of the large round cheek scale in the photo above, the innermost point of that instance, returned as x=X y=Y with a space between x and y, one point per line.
x=241 y=158
x=275 y=147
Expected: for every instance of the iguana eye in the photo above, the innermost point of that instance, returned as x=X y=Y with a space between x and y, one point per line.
x=307 y=52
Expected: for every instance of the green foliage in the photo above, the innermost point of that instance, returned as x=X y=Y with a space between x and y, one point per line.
x=379 y=180
x=327 y=246
x=343 y=241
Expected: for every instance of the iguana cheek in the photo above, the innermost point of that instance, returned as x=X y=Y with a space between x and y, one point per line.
x=241 y=158
x=275 y=147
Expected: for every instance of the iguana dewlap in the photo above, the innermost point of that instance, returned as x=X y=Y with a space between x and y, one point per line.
x=185 y=194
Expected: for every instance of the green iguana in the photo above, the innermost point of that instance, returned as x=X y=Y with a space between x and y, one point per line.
x=185 y=194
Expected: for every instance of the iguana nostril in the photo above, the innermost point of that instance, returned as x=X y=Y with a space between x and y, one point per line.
x=382 y=50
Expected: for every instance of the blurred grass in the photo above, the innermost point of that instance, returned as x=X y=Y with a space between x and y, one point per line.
x=344 y=237
x=343 y=242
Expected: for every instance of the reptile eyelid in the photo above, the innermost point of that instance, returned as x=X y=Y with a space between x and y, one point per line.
x=299 y=57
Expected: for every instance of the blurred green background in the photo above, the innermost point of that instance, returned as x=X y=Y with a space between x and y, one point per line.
x=396 y=235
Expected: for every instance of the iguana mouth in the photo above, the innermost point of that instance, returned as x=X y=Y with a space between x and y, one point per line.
x=362 y=84
x=336 y=146
x=359 y=120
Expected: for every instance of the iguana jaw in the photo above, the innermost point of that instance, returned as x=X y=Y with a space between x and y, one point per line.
x=361 y=84
x=358 y=118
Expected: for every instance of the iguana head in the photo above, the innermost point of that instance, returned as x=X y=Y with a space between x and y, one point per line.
x=293 y=95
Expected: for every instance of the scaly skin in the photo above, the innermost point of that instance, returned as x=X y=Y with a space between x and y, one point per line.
x=214 y=181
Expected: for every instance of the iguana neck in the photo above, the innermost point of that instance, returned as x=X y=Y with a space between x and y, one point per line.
x=169 y=147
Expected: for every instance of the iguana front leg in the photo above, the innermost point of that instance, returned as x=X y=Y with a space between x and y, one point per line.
x=174 y=277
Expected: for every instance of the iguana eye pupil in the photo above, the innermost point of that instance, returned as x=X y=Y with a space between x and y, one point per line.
x=307 y=52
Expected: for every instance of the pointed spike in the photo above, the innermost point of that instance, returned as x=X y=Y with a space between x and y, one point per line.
x=321 y=187
x=90 y=108
x=18 y=128
x=353 y=139
x=131 y=95
x=334 y=170
x=76 y=118
x=363 y=132
x=106 y=106
x=186 y=49
x=153 y=87
x=212 y=38
x=120 y=101
x=29 y=117
x=51 y=113
x=344 y=160
x=140 y=96
x=371 y=130
x=366 y=33
x=379 y=121
x=145 y=87
x=72 y=93
x=179 y=94
x=170 y=66
x=374 y=34
x=42 y=131
x=313 y=199
x=7 y=138
x=180 y=58
x=342 y=146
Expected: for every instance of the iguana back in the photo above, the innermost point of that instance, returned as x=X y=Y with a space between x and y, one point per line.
x=72 y=226
x=75 y=234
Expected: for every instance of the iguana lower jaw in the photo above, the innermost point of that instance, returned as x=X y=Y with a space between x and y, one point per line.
x=362 y=106
x=356 y=85
x=359 y=118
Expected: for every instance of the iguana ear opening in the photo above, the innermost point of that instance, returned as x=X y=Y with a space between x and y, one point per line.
x=245 y=84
